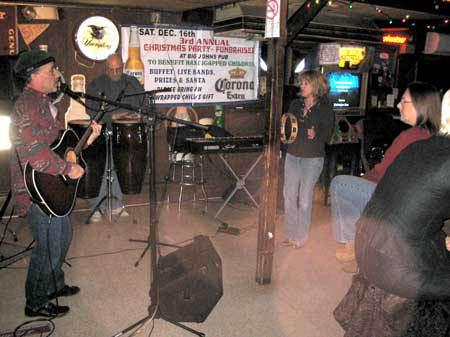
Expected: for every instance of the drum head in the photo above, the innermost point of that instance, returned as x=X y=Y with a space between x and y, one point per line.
x=129 y=121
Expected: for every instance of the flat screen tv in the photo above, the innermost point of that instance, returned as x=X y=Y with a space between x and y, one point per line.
x=345 y=90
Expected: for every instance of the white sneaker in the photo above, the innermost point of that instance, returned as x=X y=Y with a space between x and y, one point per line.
x=120 y=210
x=96 y=217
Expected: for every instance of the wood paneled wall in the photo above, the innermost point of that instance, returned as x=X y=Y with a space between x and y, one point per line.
x=242 y=121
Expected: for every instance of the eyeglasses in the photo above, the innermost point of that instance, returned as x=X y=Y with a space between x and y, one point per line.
x=403 y=101
x=52 y=71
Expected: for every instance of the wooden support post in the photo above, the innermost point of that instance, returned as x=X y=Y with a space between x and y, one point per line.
x=268 y=203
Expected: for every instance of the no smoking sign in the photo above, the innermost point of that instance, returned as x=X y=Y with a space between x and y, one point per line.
x=272 y=19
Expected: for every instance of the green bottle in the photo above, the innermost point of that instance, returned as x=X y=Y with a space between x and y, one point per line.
x=218 y=119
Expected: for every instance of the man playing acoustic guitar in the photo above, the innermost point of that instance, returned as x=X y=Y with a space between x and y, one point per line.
x=35 y=127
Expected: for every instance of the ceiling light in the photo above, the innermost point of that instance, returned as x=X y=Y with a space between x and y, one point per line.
x=29 y=13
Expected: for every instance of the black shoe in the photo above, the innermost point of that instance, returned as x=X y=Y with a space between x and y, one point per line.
x=49 y=310
x=64 y=292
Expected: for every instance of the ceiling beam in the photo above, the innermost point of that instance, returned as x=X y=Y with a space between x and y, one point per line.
x=145 y=5
x=302 y=17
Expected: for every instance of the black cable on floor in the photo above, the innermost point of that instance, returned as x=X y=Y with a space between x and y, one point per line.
x=27 y=330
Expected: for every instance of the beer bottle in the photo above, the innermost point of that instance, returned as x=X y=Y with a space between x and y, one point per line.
x=134 y=65
x=218 y=118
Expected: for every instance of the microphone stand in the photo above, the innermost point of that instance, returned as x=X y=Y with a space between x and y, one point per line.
x=151 y=117
x=151 y=92
x=152 y=241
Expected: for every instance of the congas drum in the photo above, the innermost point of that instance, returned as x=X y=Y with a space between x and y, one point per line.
x=95 y=158
x=129 y=143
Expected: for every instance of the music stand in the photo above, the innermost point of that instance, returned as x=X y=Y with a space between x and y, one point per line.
x=2 y=212
x=7 y=260
x=151 y=117
x=109 y=178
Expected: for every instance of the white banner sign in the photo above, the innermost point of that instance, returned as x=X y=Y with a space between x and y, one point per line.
x=198 y=67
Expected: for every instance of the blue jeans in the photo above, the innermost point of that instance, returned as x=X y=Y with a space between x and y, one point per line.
x=349 y=197
x=52 y=236
x=300 y=177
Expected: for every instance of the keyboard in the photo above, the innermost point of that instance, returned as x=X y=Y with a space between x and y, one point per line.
x=225 y=144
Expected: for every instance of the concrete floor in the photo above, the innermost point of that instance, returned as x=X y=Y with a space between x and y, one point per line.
x=306 y=286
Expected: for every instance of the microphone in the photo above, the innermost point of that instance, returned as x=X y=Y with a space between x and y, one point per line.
x=65 y=89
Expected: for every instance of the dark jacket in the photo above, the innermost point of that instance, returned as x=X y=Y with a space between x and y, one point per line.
x=400 y=142
x=400 y=244
x=321 y=116
x=114 y=91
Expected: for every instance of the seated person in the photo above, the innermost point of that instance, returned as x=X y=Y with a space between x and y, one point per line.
x=123 y=88
x=420 y=107
x=403 y=287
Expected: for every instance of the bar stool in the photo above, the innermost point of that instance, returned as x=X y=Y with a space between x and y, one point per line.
x=187 y=172
x=185 y=169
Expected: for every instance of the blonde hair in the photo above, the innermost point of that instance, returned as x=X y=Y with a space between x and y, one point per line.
x=317 y=80
x=445 y=114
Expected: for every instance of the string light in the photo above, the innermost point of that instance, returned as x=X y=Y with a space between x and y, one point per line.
x=407 y=20
x=330 y=3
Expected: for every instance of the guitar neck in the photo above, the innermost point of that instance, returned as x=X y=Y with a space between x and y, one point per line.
x=88 y=132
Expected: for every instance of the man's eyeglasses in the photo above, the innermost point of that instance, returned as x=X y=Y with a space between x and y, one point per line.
x=52 y=71
x=404 y=101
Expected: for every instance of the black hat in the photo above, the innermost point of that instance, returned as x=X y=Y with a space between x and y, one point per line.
x=29 y=61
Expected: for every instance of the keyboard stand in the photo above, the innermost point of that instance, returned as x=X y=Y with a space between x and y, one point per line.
x=240 y=182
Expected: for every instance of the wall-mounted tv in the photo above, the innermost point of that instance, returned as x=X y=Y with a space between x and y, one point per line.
x=345 y=90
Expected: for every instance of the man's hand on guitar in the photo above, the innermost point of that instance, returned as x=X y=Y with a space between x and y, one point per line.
x=96 y=129
x=76 y=172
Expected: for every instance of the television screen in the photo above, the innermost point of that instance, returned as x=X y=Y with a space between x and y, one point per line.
x=345 y=90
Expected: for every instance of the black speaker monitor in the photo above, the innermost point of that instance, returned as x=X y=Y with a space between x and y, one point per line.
x=190 y=280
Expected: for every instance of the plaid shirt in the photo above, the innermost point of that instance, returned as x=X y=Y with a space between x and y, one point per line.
x=33 y=130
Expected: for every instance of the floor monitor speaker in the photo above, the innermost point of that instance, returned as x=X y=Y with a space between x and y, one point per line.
x=190 y=280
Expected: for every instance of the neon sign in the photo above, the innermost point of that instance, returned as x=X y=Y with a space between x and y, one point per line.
x=394 y=39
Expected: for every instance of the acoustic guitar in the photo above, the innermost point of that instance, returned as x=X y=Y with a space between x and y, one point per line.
x=56 y=194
